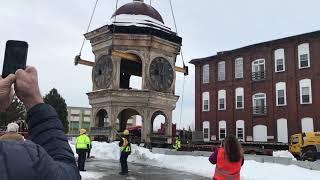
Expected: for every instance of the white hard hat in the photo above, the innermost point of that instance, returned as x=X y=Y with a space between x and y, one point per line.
x=12 y=127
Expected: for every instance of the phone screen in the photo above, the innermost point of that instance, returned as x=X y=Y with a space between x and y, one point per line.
x=15 y=57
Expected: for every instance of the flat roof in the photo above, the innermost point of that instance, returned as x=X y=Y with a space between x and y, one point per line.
x=77 y=107
x=313 y=34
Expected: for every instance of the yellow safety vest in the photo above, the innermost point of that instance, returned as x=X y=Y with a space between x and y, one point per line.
x=125 y=146
x=82 y=142
x=177 y=146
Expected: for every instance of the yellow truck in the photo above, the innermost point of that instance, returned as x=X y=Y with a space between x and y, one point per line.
x=305 y=146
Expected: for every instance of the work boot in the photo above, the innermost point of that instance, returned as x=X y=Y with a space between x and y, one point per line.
x=123 y=173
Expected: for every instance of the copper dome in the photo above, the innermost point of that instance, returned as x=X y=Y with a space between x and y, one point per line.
x=139 y=8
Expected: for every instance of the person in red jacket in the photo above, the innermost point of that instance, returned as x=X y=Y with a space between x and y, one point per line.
x=228 y=159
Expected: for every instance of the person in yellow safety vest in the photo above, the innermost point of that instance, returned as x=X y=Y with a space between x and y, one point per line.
x=125 y=150
x=177 y=145
x=82 y=146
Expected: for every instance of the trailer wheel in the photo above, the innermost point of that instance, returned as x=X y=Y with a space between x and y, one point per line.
x=308 y=154
x=252 y=152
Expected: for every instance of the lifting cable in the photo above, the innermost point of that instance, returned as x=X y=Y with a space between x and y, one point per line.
x=181 y=53
x=84 y=39
x=114 y=23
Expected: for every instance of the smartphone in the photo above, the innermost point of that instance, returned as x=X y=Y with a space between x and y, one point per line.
x=15 y=57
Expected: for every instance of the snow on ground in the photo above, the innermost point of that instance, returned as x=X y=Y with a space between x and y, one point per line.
x=91 y=175
x=285 y=154
x=251 y=170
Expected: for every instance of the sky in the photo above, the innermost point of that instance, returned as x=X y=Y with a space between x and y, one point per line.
x=54 y=31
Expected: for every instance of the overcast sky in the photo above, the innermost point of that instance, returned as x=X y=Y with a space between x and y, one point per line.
x=54 y=30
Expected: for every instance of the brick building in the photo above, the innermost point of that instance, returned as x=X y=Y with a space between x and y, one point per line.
x=262 y=92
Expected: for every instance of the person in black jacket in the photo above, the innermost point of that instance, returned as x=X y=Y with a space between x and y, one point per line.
x=47 y=156
x=125 y=151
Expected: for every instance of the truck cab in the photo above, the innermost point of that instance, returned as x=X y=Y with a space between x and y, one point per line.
x=295 y=145
x=305 y=146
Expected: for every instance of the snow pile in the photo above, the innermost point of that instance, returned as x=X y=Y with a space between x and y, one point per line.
x=285 y=154
x=251 y=170
x=105 y=150
x=91 y=175
x=73 y=147
x=141 y=155
x=196 y=165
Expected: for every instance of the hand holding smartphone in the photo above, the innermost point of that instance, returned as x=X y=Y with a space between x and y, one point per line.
x=15 y=57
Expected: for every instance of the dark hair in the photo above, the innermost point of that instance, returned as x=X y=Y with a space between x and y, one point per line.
x=232 y=148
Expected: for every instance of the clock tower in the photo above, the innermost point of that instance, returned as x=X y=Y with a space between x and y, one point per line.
x=136 y=44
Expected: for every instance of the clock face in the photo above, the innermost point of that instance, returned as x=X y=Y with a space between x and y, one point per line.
x=161 y=74
x=102 y=72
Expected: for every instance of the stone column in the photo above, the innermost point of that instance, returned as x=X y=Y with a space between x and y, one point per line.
x=116 y=61
x=113 y=119
x=169 y=127
x=92 y=119
x=146 y=127
x=144 y=74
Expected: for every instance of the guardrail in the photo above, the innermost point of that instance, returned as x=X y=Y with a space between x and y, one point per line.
x=259 y=110
x=258 y=76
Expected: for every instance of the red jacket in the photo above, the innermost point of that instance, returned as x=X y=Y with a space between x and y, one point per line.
x=226 y=170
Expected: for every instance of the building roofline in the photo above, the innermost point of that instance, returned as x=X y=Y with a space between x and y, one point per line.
x=257 y=45
x=78 y=107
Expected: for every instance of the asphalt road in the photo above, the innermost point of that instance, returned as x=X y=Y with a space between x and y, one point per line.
x=110 y=170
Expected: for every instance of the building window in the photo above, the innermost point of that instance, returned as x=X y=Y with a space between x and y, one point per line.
x=222 y=100
x=205 y=73
x=238 y=68
x=304 y=55
x=259 y=104
x=222 y=130
x=206 y=131
x=305 y=91
x=240 y=130
x=260 y=133
x=281 y=95
x=279 y=60
x=221 y=71
x=307 y=125
x=239 y=98
x=205 y=101
x=282 y=130
x=258 y=70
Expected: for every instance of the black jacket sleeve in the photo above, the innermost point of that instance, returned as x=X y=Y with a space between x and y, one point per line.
x=57 y=160
x=120 y=142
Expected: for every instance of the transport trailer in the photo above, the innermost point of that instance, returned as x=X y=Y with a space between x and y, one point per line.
x=258 y=148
